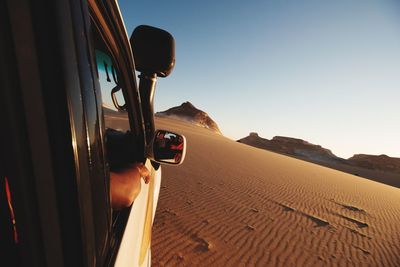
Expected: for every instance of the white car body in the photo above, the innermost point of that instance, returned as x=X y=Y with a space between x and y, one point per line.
x=135 y=248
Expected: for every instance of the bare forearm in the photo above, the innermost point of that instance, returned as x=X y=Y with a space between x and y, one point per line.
x=125 y=185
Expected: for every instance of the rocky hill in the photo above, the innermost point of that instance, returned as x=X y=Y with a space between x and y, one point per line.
x=380 y=168
x=291 y=146
x=376 y=162
x=188 y=112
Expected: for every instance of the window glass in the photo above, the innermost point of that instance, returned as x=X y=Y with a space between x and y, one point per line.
x=113 y=102
x=108 y=80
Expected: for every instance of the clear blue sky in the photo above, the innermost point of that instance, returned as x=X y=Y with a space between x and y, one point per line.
x=324 y=71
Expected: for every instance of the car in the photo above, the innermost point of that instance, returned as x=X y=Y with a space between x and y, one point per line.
x=72 y=109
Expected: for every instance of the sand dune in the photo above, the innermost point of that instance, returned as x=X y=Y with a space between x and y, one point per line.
x=233 y=205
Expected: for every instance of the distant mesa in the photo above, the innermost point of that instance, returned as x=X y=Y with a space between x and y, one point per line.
x=376 y=162
x=374 y=167
x=291 y=146
x=188 y=112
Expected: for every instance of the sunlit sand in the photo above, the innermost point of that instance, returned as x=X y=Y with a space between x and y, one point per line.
x=230 y=204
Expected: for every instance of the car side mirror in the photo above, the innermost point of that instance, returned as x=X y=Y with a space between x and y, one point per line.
x=168 y=147
x=154 y=55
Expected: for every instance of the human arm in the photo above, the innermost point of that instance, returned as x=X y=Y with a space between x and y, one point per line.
x=125 y=184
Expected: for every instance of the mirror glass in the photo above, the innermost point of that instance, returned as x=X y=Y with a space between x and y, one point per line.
x=169 y=147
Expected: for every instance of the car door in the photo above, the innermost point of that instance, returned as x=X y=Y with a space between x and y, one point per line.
x=53 y=156
x=52 y=150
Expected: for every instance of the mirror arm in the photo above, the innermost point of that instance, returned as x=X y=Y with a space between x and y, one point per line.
x=147 y=86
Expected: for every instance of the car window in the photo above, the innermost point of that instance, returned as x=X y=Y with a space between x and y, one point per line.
x=112 y=100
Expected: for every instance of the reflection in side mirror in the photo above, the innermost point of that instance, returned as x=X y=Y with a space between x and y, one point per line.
x=169 y=147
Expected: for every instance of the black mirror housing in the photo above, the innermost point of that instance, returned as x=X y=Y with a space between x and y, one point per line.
x=153 y=50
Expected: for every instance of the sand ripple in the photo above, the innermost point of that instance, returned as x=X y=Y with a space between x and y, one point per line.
x=234 y=205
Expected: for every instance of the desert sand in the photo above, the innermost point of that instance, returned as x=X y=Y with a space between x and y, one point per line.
x=230 y=204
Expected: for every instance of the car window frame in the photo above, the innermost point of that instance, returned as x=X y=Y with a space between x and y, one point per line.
x=106 y=22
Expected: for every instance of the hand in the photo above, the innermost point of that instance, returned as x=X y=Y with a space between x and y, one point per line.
x=125 y=185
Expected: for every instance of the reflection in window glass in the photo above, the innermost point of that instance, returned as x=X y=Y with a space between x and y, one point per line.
x=108 y=80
